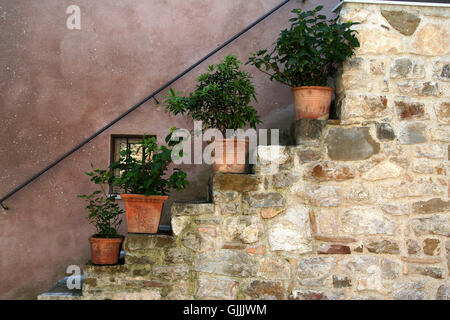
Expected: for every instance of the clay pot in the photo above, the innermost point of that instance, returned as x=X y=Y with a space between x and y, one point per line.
x=105 y=250
x=236 y=162
x=312 y=102
x=143 y=212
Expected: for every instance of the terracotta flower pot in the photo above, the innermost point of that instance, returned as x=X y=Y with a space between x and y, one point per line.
x=312 y=102
x=143 y=212
x=236 y=161
x=105 y=250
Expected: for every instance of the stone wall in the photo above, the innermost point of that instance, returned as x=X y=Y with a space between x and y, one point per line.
x=358 y=209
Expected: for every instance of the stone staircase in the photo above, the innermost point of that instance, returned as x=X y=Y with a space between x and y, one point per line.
x=340 y=215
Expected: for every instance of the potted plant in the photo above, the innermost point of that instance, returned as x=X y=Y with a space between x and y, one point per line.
x=305 y=56
x=144 y=185
x=221 y=101
x=104 y=213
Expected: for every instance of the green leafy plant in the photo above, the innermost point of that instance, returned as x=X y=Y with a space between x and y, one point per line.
x=146 y=176
x=104 y=212
x=309 y=52
x=221 y=100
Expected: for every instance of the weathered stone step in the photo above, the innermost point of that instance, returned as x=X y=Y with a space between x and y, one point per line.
x=191 y=208
x=61 y=292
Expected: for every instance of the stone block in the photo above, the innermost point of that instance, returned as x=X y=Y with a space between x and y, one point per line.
x=363 y=106
x=307 y=131
x=367 y=271
x=404 y=22
x=329 y=171
x=259 y=250
x=443 y=112
x=435 y=205
x=409 y=290
x=291 y=231
x=413 y=133
x=271 y=159
x=425 y=166
x=433 y=272
x=306 y=155
x=179 y=290
x=200 y=241
x=170 y=273
x=214 y=288
x=226 y=203
x=269 y=213
x=236 y=182
x=266 y=290
x=430 y=151
x=314 y=271
x=407 y=68
x=265 y=200
x=418 y=88
x=179 y=223
x=377 y=67
x=379 y=41
x=390 y=270
x=441 y=70
x=350 y=144
x=327 y=221
x=141 y=294
x=382 y=246
x=324 y=196
x=443 y=292
x=440 y=134
x=188 y=209
x=447 y=250
x=316 y=295
x=385 y=131
x=385 y=170
x=327 y=248
x=418 y=187
x=246 y=229
x=437 y=224
x=421 y=260
x=226 y=262
x=341 y=282
x=178 y=256
x=431 y=247
x=413 y=247
x=147 y=241
x=395 y=209
x=274 y=268
x=362 y=220
x=409 y=110
x=431 y=39
x=284 y=179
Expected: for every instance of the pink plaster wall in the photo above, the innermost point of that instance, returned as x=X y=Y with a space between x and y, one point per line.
x=58 y=86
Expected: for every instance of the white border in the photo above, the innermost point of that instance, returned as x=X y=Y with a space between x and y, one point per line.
x=400 y=3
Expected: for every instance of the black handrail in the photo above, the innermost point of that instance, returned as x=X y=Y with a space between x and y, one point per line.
x=37 y=175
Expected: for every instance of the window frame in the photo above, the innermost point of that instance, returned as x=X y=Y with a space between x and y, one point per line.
x=112 y=150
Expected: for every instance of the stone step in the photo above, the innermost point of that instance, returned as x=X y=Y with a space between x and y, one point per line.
x=232 y=182
x=124 y=294
x=61 y=292
x=191 y=208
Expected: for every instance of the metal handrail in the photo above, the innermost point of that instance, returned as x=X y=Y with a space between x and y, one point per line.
x=151 y=96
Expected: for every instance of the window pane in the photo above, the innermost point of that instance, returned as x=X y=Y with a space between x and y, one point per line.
x=121 y=144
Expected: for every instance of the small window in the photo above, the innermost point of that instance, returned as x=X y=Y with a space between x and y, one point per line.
x=119 y=144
